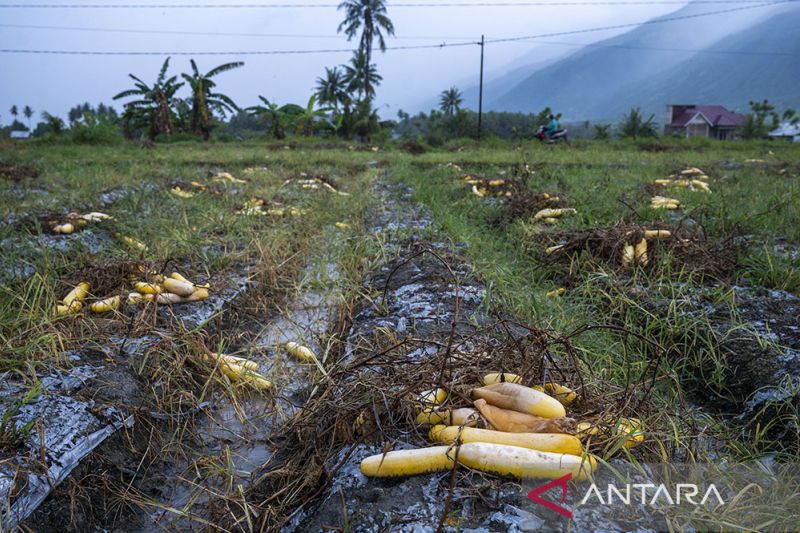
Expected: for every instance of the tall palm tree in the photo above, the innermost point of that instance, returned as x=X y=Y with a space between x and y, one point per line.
x=332 y=89
x=361 y=76
x=154 y=104
x=271 y=113
x=28 y=112
x=204 y=101
x=14 y=112
x=450 y=101
x=370 y=17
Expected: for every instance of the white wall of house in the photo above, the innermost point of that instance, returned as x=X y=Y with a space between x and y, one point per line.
x=697 y=127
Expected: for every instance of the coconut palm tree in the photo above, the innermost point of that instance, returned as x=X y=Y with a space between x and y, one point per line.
x=272 y=115
x=370 y=17
x=154 y=104
x=450 y=101
x=28 y=112
x=360 y=76
x=332 y=89
x=204 y=101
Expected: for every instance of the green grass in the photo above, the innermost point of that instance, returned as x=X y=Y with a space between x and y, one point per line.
x=604 y=183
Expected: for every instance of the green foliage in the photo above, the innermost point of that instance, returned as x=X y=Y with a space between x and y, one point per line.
x=152 y=108
x=634 y=125
x=10 y=434
x=370 y=16
x=543 y=117
x=450 y=101
x=205 y=101
x=361 y=76
x=464 y=123
x=791 y=116
x=331 y=90
x=602 y=132
x=272 y=116
x=364 y=120
x=305 y=122
x=94 y=130
x=55 y=125
x=761 y=120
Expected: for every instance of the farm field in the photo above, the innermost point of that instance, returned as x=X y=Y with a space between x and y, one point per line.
x=401 y=273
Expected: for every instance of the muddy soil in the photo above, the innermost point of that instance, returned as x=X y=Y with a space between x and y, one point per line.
x=18 y=172
x=420 y=304
x=757 y=333
x=240 y=432
x=109 y=459
x=763 y=357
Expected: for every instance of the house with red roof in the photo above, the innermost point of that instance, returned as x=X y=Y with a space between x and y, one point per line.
x=710 y=121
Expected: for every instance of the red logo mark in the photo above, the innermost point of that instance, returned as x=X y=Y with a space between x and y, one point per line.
x=560 y=482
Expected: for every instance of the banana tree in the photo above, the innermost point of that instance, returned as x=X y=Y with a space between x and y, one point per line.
x=204 y=101
x=154 y=103
x=309 y=116
x=270 y=113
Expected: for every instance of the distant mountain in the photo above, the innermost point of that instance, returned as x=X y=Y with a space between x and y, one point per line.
x=641 y=68
x=728 y=79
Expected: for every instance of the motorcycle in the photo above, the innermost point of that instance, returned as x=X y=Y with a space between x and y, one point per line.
x=559 y=135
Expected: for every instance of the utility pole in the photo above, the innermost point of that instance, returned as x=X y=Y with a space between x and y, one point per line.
x=480 y=93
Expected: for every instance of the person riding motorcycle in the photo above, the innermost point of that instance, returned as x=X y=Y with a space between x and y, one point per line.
x=552 y=133
x=552 y=126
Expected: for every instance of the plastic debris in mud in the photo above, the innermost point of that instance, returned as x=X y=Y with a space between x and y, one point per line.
x=71 y=429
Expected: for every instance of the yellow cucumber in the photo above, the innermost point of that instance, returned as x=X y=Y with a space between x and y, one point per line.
x=181 y=288
x=563 y=394
x=523 y=463
x=544 y=442
x=520 y=398
x=299 y=351
x=107 y=305
x=501 y=377
x=408 y=462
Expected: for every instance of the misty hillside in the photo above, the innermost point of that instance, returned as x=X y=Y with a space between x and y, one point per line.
x=728 y=79
x=602 y=82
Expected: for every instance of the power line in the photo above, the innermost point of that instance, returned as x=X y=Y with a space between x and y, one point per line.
x=398 y=5
x=339 y=37
x=406 y=47
x=660 y=49
x=213 y=33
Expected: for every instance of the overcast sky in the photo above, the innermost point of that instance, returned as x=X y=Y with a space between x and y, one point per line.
x=412 y=78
